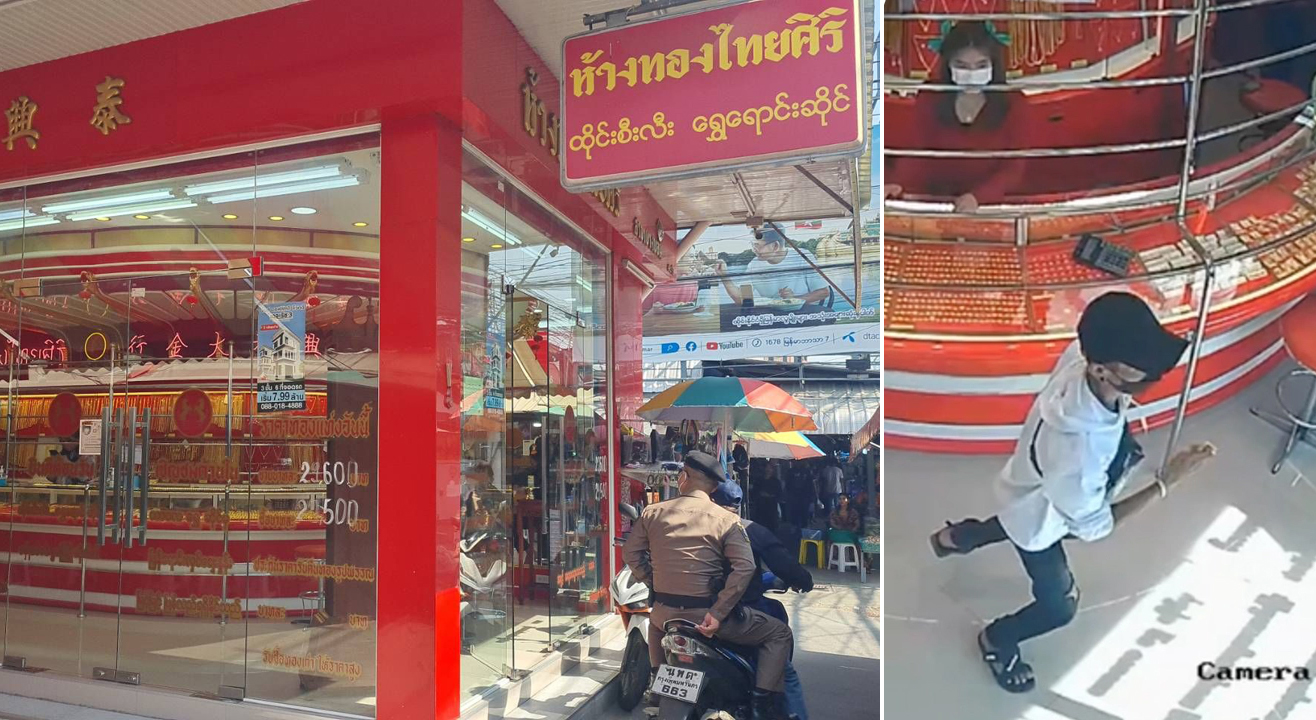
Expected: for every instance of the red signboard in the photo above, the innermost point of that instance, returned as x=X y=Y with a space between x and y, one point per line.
x=757 y=83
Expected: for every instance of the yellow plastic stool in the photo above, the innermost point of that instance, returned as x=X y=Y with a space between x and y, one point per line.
x=805 y=544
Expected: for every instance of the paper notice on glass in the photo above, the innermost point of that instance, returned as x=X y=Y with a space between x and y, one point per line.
x=89 y=436
x=280 y=353
x=554 y=533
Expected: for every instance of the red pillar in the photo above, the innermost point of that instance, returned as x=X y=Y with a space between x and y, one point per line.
x=419 y=423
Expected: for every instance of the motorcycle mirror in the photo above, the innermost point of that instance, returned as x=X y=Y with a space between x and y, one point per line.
x=629 y=511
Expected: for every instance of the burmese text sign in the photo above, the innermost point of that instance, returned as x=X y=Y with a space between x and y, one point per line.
x=749 y=84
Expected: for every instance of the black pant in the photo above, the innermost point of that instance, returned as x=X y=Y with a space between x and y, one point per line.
x=1055 y=593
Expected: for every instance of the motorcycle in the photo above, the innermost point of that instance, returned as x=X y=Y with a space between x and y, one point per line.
x=631 y=599
x=475 y=583
x=705 y=677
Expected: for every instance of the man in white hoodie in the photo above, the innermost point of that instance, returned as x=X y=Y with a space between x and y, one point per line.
x=1074 y=456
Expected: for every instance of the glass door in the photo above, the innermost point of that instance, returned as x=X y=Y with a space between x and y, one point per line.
x=102 y=582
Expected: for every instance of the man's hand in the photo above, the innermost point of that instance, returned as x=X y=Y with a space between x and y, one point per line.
x=966 y=203
x=786 y=293
x=710 y=626
x=720 y=268
x=1186 y=462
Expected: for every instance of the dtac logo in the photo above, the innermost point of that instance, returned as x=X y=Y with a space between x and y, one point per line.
x=669 y=348
x=710 y=346
x=691 y=346
x=848 y=336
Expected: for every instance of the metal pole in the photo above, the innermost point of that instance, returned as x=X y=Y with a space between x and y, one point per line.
x=223 y=573
x=82 y=581
x=856 y=235
x=1194 y=104
x=1208 y=280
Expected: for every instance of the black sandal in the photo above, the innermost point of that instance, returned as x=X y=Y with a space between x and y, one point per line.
x=941 y=549
x=1007 y=667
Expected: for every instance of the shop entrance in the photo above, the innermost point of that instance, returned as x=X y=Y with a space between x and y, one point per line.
x=554 y=472
x=109 y=576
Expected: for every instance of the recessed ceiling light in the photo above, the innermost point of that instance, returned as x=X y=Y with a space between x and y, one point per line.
x=103 y=219
x=142 y=217
x=359 y=224
x=468 y=239
x=303 y=211
x=230 y=216
x=497 y=246
x=276 y=218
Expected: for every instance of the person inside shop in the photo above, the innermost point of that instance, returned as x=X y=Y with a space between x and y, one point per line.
x=778 y=273
x=477 y=482
x=831 y=482
x=681 y=548
x=971 y=56
x=845 y=517
x=1074 y=456
x=68 y=452
x=801 y=494
x=740 y=464
x=770 y=554
x=765 y=497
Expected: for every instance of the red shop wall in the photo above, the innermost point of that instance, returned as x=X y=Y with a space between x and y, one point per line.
x=324 y=66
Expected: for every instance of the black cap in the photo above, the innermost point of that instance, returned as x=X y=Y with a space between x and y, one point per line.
x=704 y=464
x=1120 y=327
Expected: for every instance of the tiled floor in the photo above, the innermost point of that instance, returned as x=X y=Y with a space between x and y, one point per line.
x=1220 y=572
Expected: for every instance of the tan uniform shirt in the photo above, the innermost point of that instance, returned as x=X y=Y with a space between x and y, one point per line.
x=689 y=541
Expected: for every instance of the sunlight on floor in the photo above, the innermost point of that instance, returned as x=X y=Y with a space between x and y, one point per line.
x=1237 y=599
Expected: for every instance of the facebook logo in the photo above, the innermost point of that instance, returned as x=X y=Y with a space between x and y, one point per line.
x=669 y=348
x=691 y=346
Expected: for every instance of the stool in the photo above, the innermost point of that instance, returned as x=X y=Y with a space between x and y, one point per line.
x=817 y=544
x=845 y=555
x=1296 y=328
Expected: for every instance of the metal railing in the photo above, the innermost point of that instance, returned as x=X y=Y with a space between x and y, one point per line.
x=1203 y=274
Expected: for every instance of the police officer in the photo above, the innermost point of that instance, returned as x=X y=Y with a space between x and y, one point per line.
x=681 y=549
x=770 y=552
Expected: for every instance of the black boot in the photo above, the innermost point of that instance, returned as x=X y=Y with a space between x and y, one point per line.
x=767 y=706
x=650 y=699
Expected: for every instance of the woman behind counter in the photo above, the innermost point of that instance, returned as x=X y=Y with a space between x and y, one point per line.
x=972 y=54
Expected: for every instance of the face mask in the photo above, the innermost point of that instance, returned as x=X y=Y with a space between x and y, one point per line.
x=976 y=77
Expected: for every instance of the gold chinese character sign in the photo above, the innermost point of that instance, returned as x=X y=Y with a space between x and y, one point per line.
x=20 y=116
x=106 y=116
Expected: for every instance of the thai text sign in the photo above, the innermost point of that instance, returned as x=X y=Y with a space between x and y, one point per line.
x=772 y=81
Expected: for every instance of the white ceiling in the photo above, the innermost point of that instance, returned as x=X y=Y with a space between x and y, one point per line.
x=36 y=31
x=546 y=24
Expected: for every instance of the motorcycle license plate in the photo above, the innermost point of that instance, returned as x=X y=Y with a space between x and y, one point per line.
x=678 y=683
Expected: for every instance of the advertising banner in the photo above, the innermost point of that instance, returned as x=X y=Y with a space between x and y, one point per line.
x=767 y=299
x=280 y=354
x=749 y=84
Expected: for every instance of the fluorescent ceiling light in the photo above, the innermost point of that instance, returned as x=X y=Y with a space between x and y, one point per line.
x=255 y=181
x=29 y=222
x=132 y=210
x=490 y=226
x=312 y=186
x=107 y=201
x=15 y=214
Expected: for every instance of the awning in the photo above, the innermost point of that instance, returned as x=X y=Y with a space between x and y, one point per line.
x=870 y=431
x=839 y=408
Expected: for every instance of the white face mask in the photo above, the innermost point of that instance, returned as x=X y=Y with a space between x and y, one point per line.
x=976 y=77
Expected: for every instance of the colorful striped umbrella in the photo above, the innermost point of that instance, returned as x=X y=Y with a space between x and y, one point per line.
x=781 y=445
x=739 y=405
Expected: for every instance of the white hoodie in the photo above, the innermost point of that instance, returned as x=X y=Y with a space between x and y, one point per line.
x=1076 y=443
